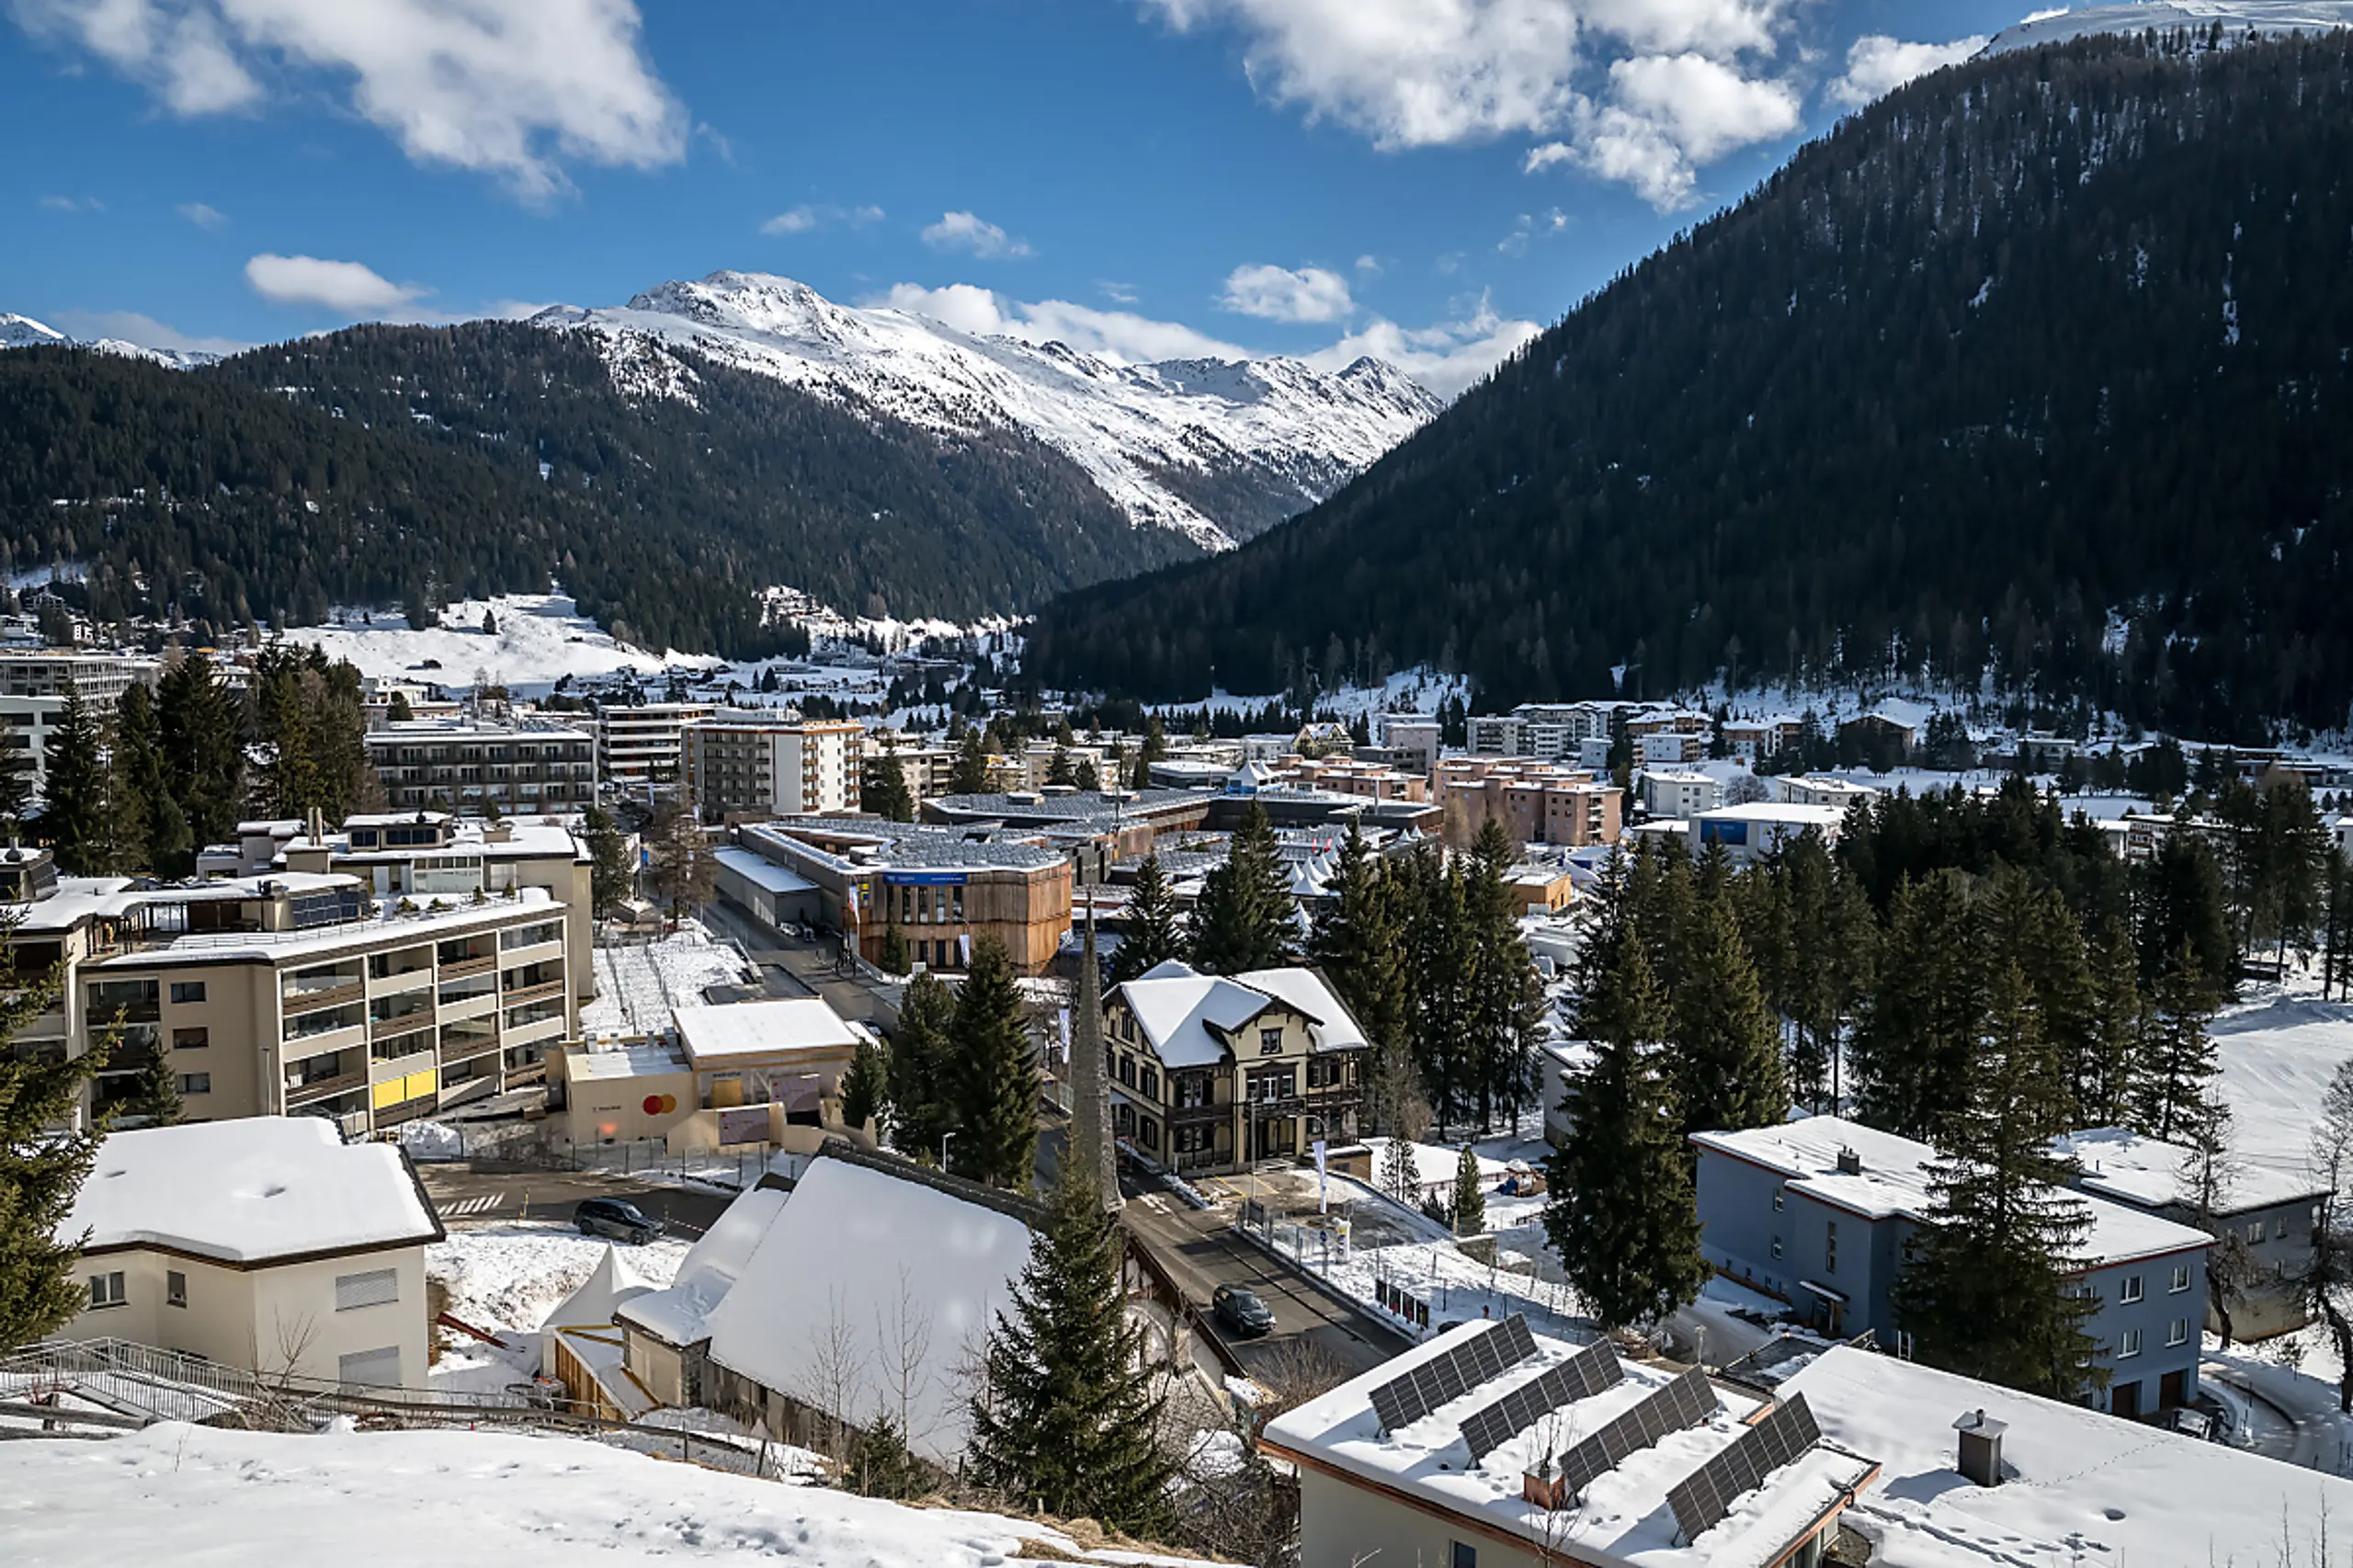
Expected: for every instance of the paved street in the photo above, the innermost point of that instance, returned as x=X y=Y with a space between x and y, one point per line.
x=477 y=1192
x=792 y=968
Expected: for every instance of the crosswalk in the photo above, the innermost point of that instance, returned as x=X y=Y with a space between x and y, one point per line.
x=461 y=1207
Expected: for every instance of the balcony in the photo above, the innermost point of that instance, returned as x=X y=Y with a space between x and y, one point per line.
x=476 y=963
x=299 y=998
x=523 y=994
x=317 y=1089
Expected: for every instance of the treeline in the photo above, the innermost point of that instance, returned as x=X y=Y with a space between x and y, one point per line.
x=407 y=466
x=2024 y=379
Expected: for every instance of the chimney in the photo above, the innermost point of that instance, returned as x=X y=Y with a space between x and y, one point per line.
x=1849 y=1162
x=318 y=826
x=1545 y=1486
x=1981 y=1447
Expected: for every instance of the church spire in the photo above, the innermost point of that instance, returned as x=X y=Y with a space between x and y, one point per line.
x=1091 y=1139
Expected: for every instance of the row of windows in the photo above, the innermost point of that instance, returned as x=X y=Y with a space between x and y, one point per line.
x=2128 y=1344
x=376 y=1288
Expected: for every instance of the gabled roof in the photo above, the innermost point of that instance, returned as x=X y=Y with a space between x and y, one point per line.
x=1187 y=1016
x=676 y=1314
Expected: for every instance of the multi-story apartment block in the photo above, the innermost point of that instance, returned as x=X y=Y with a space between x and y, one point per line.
x=34 y=687
x=501 y=769
x=1812 y=791
x=295 y=991
x=645 y=745
x=1753 y=739
x=926 y=769
x=1822 y=1213
x=1209 y=1071
x=1669 y=748
x=1539 y=802
x=768 y=765
x=1674 y=792
x=1412 y=736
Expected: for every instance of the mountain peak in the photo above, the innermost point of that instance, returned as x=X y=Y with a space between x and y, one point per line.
x=23 y=332
x=2264 y=18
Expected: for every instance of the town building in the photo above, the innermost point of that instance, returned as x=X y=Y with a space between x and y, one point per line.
x=1805 y=790
x=942 y=888
x=1669 y=748
x=1538 y=802
x=1416 y=739
x=1753 y=739
x=925 y=768
x=494 y=769
x=768 y=765
x=1210 y=1071
x=265 y=1244
x=1751 y=831
x=1489 y=1446
x=1821 y=1212
x=645 y=746
x=35 y=685
x=1676 y=793
x=2270 y=1214
x=732 y=1074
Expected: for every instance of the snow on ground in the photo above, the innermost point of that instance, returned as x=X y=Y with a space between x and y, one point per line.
x=540 y=639
x=512 y=1276
x=434 y=1498
x=2279 y=1047
x=640 y=986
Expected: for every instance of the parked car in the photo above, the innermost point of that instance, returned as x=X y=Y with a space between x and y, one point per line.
x=1240 y=1311
x=613 y=1218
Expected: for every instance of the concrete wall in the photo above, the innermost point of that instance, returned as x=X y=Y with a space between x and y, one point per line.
x=2156 y=1315
x=1341 y=1526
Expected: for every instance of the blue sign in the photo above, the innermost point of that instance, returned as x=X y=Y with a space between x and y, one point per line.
x=925 y=879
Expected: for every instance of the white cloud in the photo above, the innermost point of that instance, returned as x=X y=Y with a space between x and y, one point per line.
x=1368 y=265
x=1117 y=293
x=346 y=286
x=975 y=235
x=802 y=220
x=1447 y=357
x=71 y=204
x=131 y=326
x=1639 y=91
x=511 y=87
x=1278 y=293
x=799 y=220
x=1529 y=227
x=1877 y=64
x=203 y=215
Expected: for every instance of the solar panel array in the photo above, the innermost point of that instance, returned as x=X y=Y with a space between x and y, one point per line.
x=1406 y=1400
x=1686 y=1402
x=1708 y=1494
x=1582 y=1376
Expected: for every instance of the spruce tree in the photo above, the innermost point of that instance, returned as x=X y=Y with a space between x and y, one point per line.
x=2114 y=1068
x=1504 y=1023
x=1060 y=773
x=894 y=958
x=1988 y=1293
x=1470 y=1196
x=41 y=1171
x=2179 y=1063
x=156 y=1101
x=1066 y=1421
x=1087 y=777
x=882 y=790
x=1726 y=1065
x=1919 y=1021
x=968 y=775
x=879 y=1463
x=920 y=1085
x=1400 y=1176
x=1623 y=1215
x=612 y=875
x=203 y=748
x=75 y=816
x=865 y=1084
x=1355 y=942
x=150 y=830
x=995 y=1078
x=1151 y=935
x=1440 y=975
x=15 y=781
x=1244 y=920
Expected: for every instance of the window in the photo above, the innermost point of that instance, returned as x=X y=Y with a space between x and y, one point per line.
x=2180 y=1278
x=191 y=1040
x=1461 y=1555
x=174 y=1288
x=374 y=1289
x=2254 y=1232
x=2130 y=1292
x=106 y=1290
x=376 y=1368
x=186 y=991
x=1776 y=1246
x=195 y=1082
x=1781 y=1200
x=2279 y=1227
x=1271 y=1042
x=2128 y=1344
x=2177 y=1332
x=1830 y=1248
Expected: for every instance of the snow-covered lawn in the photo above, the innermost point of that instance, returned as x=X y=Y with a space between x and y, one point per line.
x=434 y=1499
x=540 y=638
x=2279 y=1049
x=513 y=1276
x=638 y=986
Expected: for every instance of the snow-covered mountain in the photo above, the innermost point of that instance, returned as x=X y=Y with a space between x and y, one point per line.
x=2265 y=18
x=1217 y=451
x=23 y=332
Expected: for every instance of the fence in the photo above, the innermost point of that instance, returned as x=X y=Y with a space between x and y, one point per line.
x=533 y=1144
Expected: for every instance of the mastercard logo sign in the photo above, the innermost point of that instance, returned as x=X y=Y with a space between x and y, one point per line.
x=661 y=1105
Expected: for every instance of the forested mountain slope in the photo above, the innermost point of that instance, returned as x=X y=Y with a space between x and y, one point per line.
x=406 y=464
x=2041 y=369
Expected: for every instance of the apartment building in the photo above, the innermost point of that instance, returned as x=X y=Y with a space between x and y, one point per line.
x=1817 y=791
x=645 y=745
x=508 y=769
x=1678 y=793
x=926 y=769
x=1538 y=802
x=35 y=684
x=760 y=764
x=1753 y=739
x=1343 y=775
x=1412 y=735
x=299 y=992
x=1750 y=833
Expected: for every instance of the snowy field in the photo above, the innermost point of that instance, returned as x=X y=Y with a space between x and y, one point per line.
x=540 y=639
x=437 y=1499
x=638 y=986
x=2279 y=1049
x=512 y=1276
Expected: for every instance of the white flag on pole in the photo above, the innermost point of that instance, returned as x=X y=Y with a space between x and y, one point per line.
x=1322 y=1197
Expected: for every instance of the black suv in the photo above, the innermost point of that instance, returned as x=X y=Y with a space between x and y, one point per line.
x=612 y=1217
x=1240 y=1311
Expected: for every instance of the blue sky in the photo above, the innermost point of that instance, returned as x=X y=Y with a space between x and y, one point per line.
x=1419 y=178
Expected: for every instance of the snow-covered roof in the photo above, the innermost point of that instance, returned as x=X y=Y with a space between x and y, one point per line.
x=1894 y=1178
x=1779 y=812
x=1624 y=1520
x=613 y=1281
x=711 y=1267
x=398 y=1499
x=434 y=918
x=762 y=873
x=1305 y=992
x=2120 y=1163
x=2083 y=1487
x=629 y=1059
x=776 y=1027
x=866 y=1254
x=257 y=1190
x=1186 y=1015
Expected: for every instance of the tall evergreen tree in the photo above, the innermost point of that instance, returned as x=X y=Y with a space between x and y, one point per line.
x=1067 y=1421
x=149 y=828
x=995 y=1076
x=203 y=747
x=865 y=1084
x=1061 y=772
x=1470 y=1196
x=1355 y=942
x=1623 y=1216
x=1504 y=1023
x=1440 y=977
x=612 y=871
x=1920 y=1022
x=75 y=816
x=1989 y=1293
x=2180 y=899
x=156 y=1101
x=1245 y=916
x=922 y=1090
x=1726 y=1067
x=2178 y=1065
x=969 y=773
x=882 y=788
x=2108 y=1080
x=40 y=1170
x=15 y=781
x=1152 y=935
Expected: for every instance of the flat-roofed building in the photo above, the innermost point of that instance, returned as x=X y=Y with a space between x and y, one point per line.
x=640 y=747
x=1538 y=801
x=450 y=765
x=1750 y=833
x=768 y=765
x=34 y=687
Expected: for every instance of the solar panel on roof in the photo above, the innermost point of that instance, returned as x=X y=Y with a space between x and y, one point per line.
x=1681 y=1404
x=1703 y=1498
x=1582 y=1376
x=1408 y=1397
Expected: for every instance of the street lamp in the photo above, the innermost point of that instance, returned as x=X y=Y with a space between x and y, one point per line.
x=943 y=1152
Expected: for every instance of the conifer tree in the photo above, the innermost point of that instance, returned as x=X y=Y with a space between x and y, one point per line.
x=1400 y=1176
x=203 y=747
x=879 y=1463
x=1086 y=776
x=1067 y=1420
x=2171 y=1101
x=882 y=790
x=611 y=875
x=150 y=831
x=1623 y=1216
x=1470 y=1196
x=16 y=782
x=1988 y=1295
x=1726 y=1065
x=968 y=775
x=1060 y=773
x=1356 y=943
x=1244 y=920
x=1152 y=935
x=921 y=1089
x=75 y=813
x=1440 y=975
x=41 y=1171
x=2114 y=1067
x=894 y=958
x=865 y=1084
x=156 y=1100
x=1919 y=1023
x=1504 y=1022
x=994 y=1076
